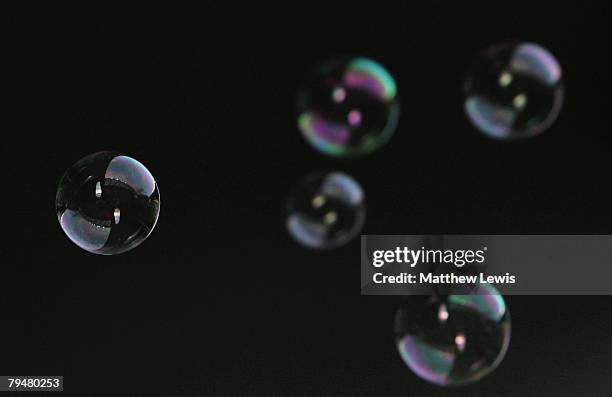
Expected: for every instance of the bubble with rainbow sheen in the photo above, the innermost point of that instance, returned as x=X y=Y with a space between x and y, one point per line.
x=514 y=91
x=349 y=107
x=456 y=339
x=107 y=203
x=326 y=210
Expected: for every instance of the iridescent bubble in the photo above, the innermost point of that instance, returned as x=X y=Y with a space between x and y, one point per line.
x=514 y=91
x=107 y=203
x=326 y=211
x=349 y=108
x=455 y=339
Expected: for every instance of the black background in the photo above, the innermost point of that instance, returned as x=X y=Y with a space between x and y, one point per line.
x=219 y=300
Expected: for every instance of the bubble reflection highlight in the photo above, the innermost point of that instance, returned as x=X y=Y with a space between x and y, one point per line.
x=456 y=339
x=514 y=91
x=349 y=108
x=107 y=203
x=326 y=211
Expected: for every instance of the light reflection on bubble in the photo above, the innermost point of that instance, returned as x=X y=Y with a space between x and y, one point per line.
x=350 y=108
x=455 y=339
x=326 y=211
x=514 y=91
x=107 y=203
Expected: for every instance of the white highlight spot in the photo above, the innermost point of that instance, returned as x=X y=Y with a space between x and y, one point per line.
x=505 y=79
x=330 y=217
x=339 y=94
x=460 y=341
x=318 y=201
x=98 y=189
x=117 y=215
x=443 y=313
x=519 y=101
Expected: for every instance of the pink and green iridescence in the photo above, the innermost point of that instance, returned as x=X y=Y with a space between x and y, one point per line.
x=431 y=350
x=352 y=110
x=368 y=75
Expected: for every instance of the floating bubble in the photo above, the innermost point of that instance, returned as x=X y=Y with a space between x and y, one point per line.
x=455 y=339
x=107 y=203
x=326 y=211
x=350 y=108
x=514 y=91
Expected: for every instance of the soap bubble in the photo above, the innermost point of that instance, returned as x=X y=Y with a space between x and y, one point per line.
x=107 y=203
x=454 y=339
x=349 y=108
x=326 y=211
x=514 y=91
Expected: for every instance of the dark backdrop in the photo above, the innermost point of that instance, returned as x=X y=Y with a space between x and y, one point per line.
x=219 y=300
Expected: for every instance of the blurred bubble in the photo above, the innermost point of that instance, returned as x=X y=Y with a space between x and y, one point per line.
x=514 y=91
x=326 y=211
x=349 y=108
x=107 y=203
x=454 y=339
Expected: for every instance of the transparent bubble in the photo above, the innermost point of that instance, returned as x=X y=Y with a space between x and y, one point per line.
x=326 y=211
x=349 y=108
x=514 y=91
x=454 y=339
x=107 y=203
